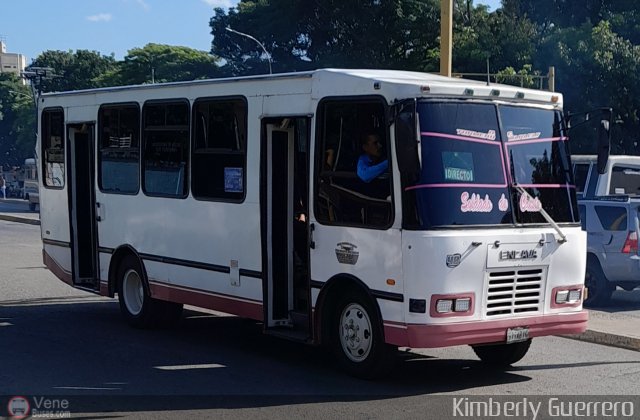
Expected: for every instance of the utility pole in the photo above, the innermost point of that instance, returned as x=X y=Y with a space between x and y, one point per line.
x=446 y=36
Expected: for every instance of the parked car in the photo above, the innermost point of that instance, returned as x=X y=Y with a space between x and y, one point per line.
x=31 y=191
x=609 y=206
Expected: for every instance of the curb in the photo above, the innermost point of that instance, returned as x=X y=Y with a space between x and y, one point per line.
x=19 y=219
x=607 y=339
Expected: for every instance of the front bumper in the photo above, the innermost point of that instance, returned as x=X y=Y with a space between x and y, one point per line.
x=482 y=332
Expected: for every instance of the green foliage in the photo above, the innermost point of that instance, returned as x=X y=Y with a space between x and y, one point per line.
x=303 y=35
x=73 y=71
x=161 y=63
x=524 y=77
x=17 y=121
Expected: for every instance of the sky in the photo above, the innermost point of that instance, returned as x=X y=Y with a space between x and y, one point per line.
x=29 y=27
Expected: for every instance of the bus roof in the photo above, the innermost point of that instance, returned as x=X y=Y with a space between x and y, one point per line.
x=328 y=82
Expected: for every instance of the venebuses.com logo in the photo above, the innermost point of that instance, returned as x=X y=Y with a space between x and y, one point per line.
x=18 y=407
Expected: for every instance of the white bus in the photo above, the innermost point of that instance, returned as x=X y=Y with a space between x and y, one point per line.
x=31 y=183
x=242 y=195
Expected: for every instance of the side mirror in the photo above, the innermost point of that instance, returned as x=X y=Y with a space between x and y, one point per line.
x=604 y=139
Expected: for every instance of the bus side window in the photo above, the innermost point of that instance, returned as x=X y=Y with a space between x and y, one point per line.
x=165 y=139
x=342 y=197
x=219 y=160
x=119 y=148
x=53 y=141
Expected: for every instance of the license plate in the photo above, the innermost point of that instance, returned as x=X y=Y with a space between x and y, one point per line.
x=515 y=335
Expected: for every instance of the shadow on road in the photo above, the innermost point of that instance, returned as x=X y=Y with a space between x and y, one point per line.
x=622 y=301
x=86 y=353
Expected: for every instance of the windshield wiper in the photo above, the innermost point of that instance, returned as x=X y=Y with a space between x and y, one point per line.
x=563 y=237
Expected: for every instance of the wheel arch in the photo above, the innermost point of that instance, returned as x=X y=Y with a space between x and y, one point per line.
x=116 y=259
x=339 y=283
x=596 y=258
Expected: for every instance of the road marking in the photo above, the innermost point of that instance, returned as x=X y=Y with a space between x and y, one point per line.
x=88 y=388
x=187 y=367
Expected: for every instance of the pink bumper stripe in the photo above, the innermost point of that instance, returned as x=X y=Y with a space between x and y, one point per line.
x=481 y=332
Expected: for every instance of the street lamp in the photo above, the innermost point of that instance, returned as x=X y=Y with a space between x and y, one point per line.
x=258 y=42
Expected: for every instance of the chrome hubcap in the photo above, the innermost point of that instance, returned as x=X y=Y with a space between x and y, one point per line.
x=133 y=293
x=356 y=336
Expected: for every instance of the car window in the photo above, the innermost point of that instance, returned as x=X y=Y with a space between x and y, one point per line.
x=625 y=180
x=612 y=218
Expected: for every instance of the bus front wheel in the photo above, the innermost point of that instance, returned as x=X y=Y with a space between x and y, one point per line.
x=357 y=338
x=502 y=355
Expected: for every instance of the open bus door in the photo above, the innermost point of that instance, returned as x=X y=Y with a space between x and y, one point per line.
x=285 y=228
x=82 y=220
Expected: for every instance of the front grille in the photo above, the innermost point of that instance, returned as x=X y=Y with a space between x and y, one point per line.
x=514 y=291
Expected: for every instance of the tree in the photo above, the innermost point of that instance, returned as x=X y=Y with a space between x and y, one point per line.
x=17 y=121
x=598 y=68
x=506 y=39
x=302 y=35
x=161 y=63
x=73 y=71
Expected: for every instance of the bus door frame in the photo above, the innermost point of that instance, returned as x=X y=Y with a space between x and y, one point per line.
x=278 y=193
x=83 y=229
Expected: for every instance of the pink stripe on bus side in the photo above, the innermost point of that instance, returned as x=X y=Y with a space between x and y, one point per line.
x=549 y=139
x=416 y=187
x=453 y=136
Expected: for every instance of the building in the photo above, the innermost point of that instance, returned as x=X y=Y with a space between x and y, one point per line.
x=11 y=62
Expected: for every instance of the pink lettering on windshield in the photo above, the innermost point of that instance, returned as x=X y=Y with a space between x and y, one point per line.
x=528 y=204
x=503 y=203
x=475 y=203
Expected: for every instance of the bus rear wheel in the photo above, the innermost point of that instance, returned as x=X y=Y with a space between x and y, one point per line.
x=136 y=304
x=357 y=338
x=502 y=355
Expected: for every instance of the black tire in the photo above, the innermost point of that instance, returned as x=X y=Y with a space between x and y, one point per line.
x=599 y=289
x=139 y=309
x=502 y=355
x=170 y=313
x=357 y=337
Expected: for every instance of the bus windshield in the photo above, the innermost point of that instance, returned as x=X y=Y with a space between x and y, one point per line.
x=470 y=155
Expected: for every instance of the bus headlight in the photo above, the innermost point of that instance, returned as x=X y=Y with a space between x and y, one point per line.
x=567 y=296
x=462 y=305
x=561 y=296
x=575 y=295
x=459 y=304
x=444 y=305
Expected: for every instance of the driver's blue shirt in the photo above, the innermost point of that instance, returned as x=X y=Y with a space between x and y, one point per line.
x=367 y=171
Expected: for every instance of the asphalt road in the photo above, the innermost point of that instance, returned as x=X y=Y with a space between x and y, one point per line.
x=14 y=205
x=57 y=341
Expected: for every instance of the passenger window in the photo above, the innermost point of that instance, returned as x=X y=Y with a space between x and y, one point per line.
x=119 y=143
x=53 y=148
x=612 y=218
x=353 y=182
x=165 y=140
x=219 y=149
